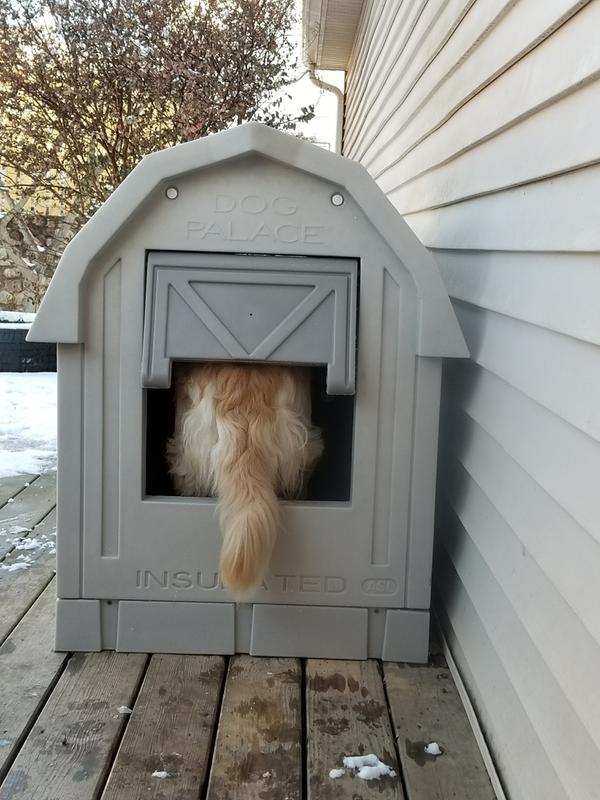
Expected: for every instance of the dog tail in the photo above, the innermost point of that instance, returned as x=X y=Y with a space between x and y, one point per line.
x=248 y=506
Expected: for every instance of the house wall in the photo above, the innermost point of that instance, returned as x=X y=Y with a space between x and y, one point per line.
x=481 y=121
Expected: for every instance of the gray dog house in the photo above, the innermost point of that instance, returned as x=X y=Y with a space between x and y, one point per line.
x=248 y=245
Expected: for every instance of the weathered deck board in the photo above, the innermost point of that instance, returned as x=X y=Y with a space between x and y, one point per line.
x=426 y=708
x=258 y=751
x=19 y=589
x=346 y=716
x=27 y=509
x=9 y=487
x=29 y=671
x=70 y=747
x=171 y=730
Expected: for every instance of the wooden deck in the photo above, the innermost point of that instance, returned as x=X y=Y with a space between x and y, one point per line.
x=213 y=727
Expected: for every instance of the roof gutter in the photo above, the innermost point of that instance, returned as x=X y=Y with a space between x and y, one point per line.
x=339 y=95
x=328 y=31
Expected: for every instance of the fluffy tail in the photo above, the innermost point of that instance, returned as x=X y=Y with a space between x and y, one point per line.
x=248 y=506
x=243 y=432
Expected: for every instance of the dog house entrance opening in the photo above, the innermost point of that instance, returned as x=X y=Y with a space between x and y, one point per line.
x=333 y=414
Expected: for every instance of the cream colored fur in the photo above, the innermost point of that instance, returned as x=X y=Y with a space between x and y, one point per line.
x=243 y=432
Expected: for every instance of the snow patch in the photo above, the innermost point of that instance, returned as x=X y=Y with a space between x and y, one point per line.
x=27 y=422
x=22 y=543
x=368 y=768
x=16 y=316
x=31 y=544
x=14 y=567
x=375 y=772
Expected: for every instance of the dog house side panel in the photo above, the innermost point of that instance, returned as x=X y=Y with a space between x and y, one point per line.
x=105 y=331
x=422 y=500
x=393 y=319
x=70 y=469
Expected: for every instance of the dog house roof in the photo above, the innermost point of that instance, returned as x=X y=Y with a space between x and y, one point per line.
x=58 y=319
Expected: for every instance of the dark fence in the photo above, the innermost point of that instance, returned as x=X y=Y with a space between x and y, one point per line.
x=17 y=355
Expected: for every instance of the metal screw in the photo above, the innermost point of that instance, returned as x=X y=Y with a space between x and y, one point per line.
x=172 y=192
x=337 y=199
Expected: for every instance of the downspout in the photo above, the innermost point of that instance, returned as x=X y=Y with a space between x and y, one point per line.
x=329 y=87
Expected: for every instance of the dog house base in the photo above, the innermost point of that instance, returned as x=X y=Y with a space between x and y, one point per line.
x=225 y=628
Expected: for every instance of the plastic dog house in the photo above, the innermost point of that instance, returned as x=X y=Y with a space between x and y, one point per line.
x=247 y=245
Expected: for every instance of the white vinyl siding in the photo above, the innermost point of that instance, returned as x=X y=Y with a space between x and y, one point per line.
x=480 y=119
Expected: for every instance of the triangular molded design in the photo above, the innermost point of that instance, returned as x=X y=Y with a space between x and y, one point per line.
x=194 y=328
x=250 y=312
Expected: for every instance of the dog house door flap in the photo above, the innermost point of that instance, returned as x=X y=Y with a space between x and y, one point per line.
x=214 y=307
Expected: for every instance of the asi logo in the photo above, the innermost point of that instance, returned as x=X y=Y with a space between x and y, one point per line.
x=380 y=586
